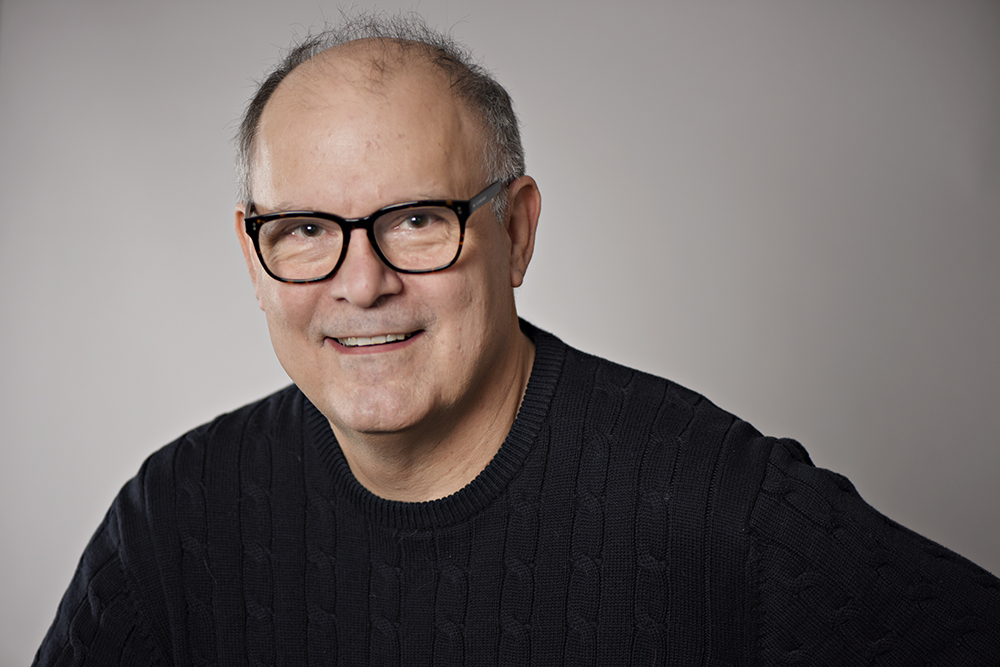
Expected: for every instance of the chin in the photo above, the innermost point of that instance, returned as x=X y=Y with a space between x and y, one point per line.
x=361 y=412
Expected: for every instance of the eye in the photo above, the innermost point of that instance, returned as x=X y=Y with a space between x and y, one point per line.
x=298 y=230
x=420 y=220
x=307 y=230
x=415 y=221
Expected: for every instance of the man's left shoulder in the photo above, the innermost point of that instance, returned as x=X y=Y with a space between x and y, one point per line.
x=663 y=406
x=639 y=414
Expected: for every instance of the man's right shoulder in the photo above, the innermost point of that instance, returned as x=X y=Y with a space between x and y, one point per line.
x=195 y=485
x=165 y=526
x=224 y=439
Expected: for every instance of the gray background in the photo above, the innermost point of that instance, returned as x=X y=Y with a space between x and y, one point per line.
x=791 y=207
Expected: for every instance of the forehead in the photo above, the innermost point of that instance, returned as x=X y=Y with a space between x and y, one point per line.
x=368 y=114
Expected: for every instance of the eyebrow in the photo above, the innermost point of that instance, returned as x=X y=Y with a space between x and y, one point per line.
x=284 y=207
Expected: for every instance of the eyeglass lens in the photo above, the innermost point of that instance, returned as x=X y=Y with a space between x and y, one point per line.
x=410 y=239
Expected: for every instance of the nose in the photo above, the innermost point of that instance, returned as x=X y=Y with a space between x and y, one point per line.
x=363 y=278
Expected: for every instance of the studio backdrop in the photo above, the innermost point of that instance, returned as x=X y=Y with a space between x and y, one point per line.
x=791 y=207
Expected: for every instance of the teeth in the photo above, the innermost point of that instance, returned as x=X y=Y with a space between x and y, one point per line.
x=364 y=341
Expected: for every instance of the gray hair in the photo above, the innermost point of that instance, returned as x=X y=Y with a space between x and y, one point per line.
x=473 y=84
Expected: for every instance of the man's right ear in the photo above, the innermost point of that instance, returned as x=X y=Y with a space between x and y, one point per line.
x=249 y=254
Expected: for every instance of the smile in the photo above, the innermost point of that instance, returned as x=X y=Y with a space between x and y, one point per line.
x=365 y=341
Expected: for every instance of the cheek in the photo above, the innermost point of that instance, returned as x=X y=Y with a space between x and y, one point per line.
x=462 y=296
x=288 y=308
x=488 y=259
x=478 y=305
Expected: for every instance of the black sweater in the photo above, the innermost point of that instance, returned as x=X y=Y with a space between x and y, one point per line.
x=625 y=520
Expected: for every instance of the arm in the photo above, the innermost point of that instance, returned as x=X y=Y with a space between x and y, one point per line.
x=98 y=621
x=838 y=583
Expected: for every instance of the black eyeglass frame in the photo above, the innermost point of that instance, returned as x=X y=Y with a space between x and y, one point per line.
x=462 y=209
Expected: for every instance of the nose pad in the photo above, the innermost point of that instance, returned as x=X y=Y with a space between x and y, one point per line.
x=363 y=278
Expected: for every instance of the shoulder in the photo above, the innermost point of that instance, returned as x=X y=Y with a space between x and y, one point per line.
x=263 y=418
x=224 y=437
x=186 y=512
x=823 y=577
x=155 y=535
x=633 y=406
x=676 y=441
x=177 y=480
x=832 y=574
x=677 y=476
x=193 y=484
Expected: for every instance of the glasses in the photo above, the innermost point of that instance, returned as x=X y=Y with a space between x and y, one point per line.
x=414 y=237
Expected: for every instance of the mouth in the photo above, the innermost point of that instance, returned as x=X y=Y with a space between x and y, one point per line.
x=369 y=341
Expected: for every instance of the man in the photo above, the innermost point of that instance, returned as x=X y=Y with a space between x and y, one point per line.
x=447 y=484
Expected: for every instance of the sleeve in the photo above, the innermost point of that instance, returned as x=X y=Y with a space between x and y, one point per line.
x=98 y=622
x=838 y=583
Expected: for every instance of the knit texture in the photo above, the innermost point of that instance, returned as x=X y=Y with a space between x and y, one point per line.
x=625 y=520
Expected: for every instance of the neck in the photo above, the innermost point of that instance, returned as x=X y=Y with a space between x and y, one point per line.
x=430 y=462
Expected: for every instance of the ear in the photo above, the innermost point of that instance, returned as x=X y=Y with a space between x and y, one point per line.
x=249 y=254
x=524 y=206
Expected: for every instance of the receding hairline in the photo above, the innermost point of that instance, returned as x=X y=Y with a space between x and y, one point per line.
x=389 y=42
x=345 y=81
x=370 y=65
x=375 y=60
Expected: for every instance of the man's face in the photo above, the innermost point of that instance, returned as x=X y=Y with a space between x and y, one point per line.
x=329 y=140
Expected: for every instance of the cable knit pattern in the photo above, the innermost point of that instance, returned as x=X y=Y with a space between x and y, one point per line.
x=520 y=544
x=257 y=553
x=195 y=568
x=321 y=572
x=453 y=554
x=905 y=601
x=625 y=520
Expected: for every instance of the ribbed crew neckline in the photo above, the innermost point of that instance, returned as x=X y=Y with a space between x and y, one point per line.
x=550 y=353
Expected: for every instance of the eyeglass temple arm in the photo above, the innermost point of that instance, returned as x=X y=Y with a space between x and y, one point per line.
x=484 y=196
